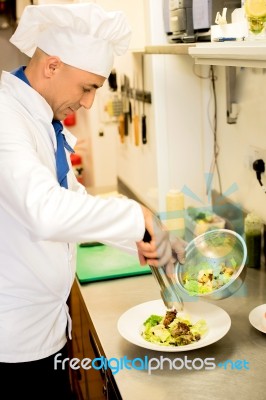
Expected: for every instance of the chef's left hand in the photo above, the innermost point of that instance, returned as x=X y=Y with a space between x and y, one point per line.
x=178 y=246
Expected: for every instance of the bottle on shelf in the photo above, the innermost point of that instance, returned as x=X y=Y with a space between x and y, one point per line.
x=175 y=210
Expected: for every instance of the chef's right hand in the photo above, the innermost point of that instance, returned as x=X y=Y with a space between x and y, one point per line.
x=155 y=249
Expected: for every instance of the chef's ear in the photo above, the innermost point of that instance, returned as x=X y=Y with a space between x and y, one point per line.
x=52 y=65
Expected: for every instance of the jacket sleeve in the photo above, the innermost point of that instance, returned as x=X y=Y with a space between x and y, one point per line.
x=30 y=193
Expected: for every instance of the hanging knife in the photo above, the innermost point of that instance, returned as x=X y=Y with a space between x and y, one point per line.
x=143 y=118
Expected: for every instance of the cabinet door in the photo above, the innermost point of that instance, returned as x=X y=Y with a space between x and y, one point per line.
x=78 y=377
x=95 y=379
x=112 y=392
x=88 y=384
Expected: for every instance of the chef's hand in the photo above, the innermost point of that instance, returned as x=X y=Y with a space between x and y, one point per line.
x=178 y=246
x=158 y=248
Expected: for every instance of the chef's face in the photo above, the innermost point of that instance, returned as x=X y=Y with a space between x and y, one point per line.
x=72 y=88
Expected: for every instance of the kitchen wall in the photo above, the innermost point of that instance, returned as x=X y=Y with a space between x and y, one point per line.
x=235 y=140
x=180 y=130
x=173 y=155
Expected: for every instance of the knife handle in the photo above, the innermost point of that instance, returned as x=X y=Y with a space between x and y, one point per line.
x=146 y=237
x=136 y=129
x=121 y=128
x=126 y=124
x=130 y=111
x=144 y=129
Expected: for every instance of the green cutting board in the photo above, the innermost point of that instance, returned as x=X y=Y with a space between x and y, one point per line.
x=101 y=262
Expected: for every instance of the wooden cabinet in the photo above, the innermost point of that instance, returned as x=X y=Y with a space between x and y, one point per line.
x=87 y=384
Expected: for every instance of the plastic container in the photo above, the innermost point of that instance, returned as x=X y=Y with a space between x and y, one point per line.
x=175 y=209
x=201 y=220
x=70 y=120
x=77 y=166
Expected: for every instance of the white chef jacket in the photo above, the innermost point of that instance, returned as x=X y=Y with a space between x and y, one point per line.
x=40 y=224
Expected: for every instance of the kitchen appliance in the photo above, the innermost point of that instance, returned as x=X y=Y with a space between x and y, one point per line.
x=188 y=21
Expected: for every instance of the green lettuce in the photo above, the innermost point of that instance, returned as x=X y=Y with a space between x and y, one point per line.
x=155 y=331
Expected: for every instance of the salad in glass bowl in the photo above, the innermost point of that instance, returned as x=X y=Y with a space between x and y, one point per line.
x=208 y=278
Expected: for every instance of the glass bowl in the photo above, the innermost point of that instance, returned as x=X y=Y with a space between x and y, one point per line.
x=215 y=265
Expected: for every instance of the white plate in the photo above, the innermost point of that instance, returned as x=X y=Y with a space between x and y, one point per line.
x=130 y=324
x=256 y=318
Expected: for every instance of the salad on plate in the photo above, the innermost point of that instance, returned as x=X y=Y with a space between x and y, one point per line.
x=173 y=330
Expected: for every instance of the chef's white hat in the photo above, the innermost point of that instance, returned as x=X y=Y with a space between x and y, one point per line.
x=83 y=35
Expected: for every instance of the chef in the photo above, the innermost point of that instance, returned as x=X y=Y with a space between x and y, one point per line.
x=44 y=211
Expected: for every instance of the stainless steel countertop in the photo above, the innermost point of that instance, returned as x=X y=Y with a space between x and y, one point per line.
x=106 y=301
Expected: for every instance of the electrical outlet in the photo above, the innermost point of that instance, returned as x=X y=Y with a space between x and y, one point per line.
x=255 y=153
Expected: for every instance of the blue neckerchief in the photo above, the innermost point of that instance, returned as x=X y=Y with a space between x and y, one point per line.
x=19 y=73
x=62 y=166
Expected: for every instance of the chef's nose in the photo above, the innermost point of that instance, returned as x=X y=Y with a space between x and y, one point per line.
x=87 y=99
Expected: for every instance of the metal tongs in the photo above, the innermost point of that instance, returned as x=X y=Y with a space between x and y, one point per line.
x=168 y=285
x=169 y=289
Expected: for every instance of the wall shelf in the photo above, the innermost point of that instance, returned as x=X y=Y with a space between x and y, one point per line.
x=235 y=54
x=180 y=48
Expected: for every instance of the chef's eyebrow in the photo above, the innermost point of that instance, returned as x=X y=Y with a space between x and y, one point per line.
x=92 y=86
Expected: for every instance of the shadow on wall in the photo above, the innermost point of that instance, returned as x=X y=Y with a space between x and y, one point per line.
x=233 y=213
